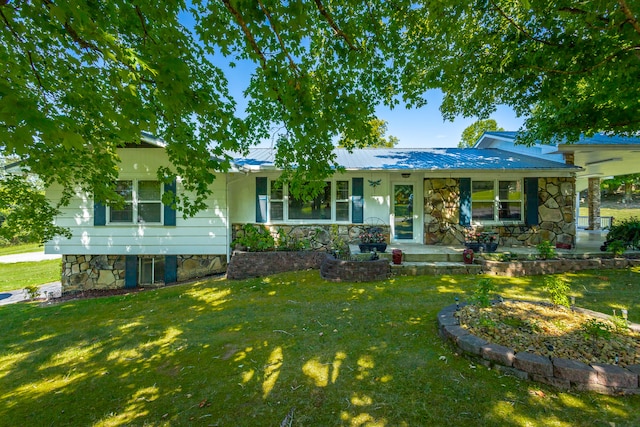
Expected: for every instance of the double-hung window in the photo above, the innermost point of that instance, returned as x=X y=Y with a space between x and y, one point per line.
x=332 y=203
x=142 y=202
x=497 y=200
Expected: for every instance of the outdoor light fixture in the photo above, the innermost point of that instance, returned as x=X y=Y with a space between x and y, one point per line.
x=573 y=300
x=406 y=175
x=457 y=304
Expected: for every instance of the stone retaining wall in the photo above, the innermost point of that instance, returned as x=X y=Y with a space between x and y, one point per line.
x=553 y=266
x=258 y=264
x=337 y=270
x=562 y=373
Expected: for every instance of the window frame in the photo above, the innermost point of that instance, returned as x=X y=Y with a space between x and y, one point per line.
x=284 y=201
x=497 y=202
x=135 y=203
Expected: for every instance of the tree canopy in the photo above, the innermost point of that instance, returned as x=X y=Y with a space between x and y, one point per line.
x=82 y=78
x=379 y=137
x=475 y=130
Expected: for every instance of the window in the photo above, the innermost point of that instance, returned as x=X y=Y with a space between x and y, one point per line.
x=333 y=203
x=142 y=202
x=150 y=270
x=496 y=201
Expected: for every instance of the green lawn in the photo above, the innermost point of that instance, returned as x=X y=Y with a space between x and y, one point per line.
x=20 y=249
x=21 y=274
x=617 y=214
x=248 y=353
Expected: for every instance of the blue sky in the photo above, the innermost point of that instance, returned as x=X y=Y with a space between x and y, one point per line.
x=415 y=128
x=425 y=127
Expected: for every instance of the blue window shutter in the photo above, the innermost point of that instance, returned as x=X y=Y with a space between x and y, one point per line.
x=261 y=199
x=99 y=214
x=465 y=201
x=169 y=211
x=170 y=268
x=531 y=201
x=131 y=271
x=357 y=200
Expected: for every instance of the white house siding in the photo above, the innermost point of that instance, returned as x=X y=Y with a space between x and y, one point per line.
x=107 y=256
x=205 y=233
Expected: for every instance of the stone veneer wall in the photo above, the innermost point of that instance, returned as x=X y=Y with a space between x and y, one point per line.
x=319 y=235
x=85 y=272
x=555 y=215
x=192 y=266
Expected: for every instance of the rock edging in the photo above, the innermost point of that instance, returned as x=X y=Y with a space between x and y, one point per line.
x=553 y=266
x=562 y=373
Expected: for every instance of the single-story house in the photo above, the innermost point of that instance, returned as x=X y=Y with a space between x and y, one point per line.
x=427 y=196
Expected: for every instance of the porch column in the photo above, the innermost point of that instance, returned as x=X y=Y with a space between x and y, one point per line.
x=594 y=203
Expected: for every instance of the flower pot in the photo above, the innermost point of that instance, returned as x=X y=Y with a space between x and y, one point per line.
x=491 y=246
x=370 y=247
x=467 y=256
x=474 y=246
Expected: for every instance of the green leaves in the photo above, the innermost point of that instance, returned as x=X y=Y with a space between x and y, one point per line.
x=82 y=78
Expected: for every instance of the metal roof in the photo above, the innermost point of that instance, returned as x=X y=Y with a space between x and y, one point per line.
x=596 y=139
x=427 y=159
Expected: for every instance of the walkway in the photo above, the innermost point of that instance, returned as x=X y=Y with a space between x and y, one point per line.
x=49 y=289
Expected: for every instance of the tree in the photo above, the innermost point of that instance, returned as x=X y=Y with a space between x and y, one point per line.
x=475 y=130
x=567 y=67
x=82 y=78
x=378 y=138
x=628 y=181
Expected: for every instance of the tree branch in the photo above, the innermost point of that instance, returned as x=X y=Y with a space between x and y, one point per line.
x=630 y=18
x=519 y=27
x=333 y=25
x=33 y=68
x=588 y=69
x=292 y=63
x=247 y=33
x=84 y=44
x=144 y=27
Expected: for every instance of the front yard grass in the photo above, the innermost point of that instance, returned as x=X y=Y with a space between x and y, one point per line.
x=21 y=249
x=252 y=352
x=20 y=274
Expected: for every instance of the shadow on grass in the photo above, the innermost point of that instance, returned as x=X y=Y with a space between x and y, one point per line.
x=256 y=351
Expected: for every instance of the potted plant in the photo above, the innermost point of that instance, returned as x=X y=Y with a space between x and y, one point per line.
x=372 y=239
x=481 y=240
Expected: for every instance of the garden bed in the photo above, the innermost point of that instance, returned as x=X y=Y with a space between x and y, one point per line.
x=540 y=342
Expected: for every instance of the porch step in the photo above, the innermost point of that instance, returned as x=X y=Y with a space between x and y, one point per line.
x=434 y=268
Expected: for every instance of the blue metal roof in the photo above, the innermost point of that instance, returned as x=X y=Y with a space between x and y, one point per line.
x=427 y=159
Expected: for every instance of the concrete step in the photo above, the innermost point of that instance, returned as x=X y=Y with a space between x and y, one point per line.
x=434 y=268
x=425 y=257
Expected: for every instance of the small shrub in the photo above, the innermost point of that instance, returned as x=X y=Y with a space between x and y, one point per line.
x=254 y=238
x=486 y=322
x=617 y=248
x=482 y=293
x=32 y=291
x=619 y=323
x=558 y=290
x=627 y=231
x=596 y=329
x=545 y=250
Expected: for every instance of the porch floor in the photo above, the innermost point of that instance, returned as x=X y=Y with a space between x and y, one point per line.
x=418 y=259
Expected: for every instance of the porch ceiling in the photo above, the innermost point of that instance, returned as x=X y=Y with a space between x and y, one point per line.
x=603 y=161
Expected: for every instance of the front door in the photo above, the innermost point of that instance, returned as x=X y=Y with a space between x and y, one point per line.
x=403 y=215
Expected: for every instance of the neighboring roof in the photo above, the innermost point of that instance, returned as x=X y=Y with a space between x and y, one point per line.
x=597 y=139
x=432 y=159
